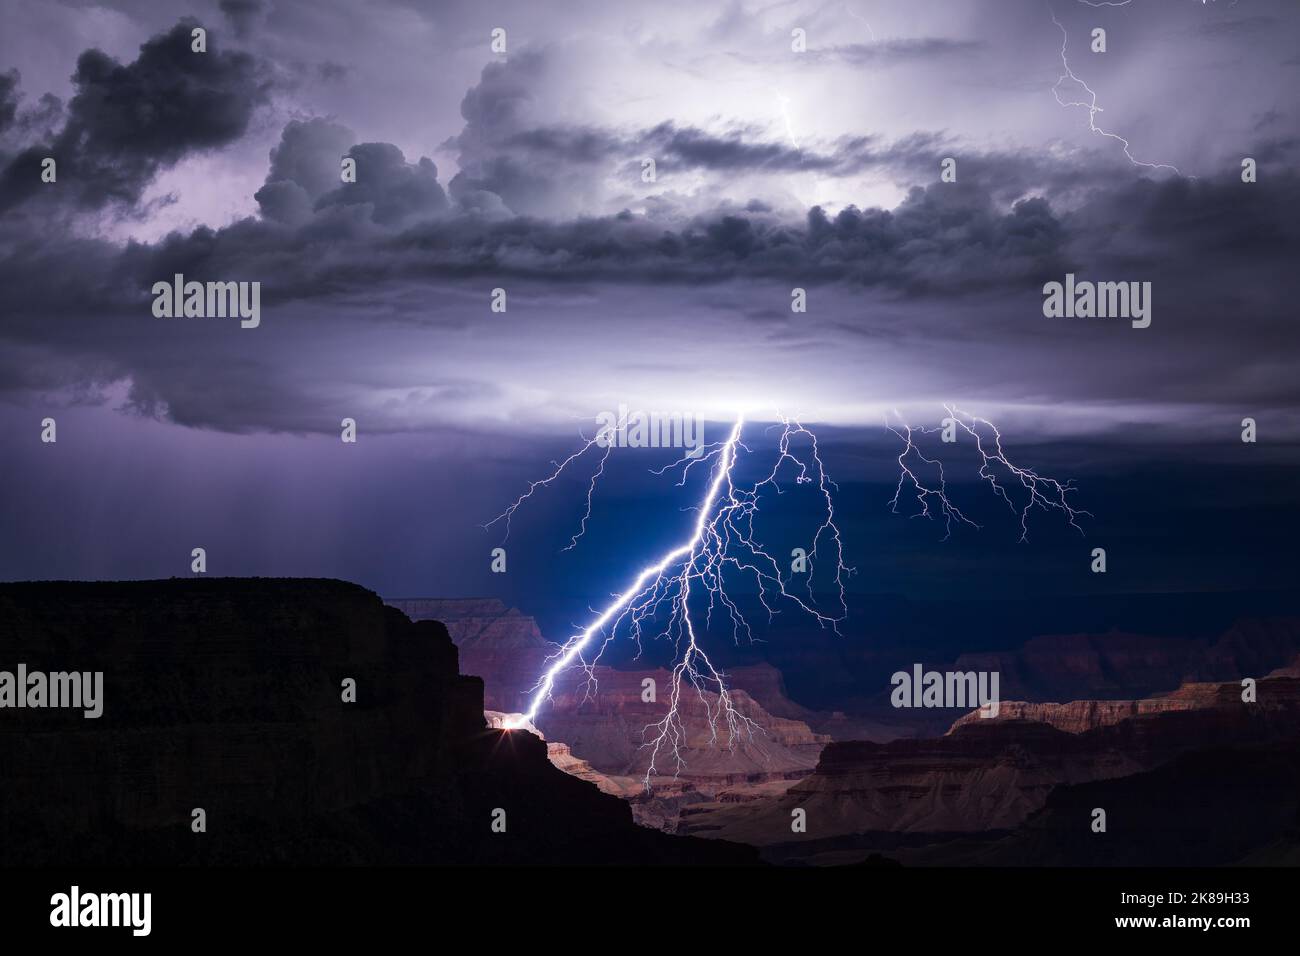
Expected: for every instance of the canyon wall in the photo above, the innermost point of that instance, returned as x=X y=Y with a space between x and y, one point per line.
x=228 y=695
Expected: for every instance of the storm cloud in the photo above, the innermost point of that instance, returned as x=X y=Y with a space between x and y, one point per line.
x=125 y=123
x=376 y=292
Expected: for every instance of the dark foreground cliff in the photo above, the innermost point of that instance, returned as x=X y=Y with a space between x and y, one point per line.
x=227 y=695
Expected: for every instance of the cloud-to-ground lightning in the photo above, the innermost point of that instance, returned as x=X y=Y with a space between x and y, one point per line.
x=1090 y=104
x=723 y=544
x=996 y=469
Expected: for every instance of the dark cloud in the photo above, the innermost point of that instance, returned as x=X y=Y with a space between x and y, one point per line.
x=396 y=191
x=942 y=248
x=524 y=188
x=331 y=72
x=544 y=169
x=675 y=146
x=525 y=181
x=938 y=241
x=375 y=295
x=742 y=150
x=950 y=277
x=19 y=125
x=494 y=109
x=393 y=228
x=242 y=14
x=41 y=121
x=537 y=169
x=1190 y=222
x=942 y=240
x=304 y=166
x=125 y=123
x=8 y=99
x=305 y=177
x=886 y=52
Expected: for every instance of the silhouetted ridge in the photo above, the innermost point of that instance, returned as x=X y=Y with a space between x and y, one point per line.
x=225 y=694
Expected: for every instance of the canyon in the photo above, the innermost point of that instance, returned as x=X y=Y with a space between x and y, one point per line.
x=225 y=695
x=996 y=776
x=903 y=786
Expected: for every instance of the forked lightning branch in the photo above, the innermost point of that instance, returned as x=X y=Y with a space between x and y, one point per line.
x=679 y=595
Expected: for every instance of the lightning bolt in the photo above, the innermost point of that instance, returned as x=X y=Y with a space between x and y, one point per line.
x=996 y=469
x=723 y=545
x=863 y=20
x=601 y=438
x=1125 y=3
x=1091 y=103
x=926 y=492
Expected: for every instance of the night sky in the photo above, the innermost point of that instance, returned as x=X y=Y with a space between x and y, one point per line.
x=523 y=171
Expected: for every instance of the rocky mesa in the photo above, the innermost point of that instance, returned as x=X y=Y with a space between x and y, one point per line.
x=231 y=696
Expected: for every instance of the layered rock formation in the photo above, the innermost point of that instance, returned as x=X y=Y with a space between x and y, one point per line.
x=562 y=757
x=1077 y=716
x=1221 y=806
x=227 y=695
x=993 y=774
x=1121 y=665
x=980 y=777
x=1274 y=693
x=607 y=722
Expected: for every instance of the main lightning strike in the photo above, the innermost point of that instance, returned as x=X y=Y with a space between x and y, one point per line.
x=722 y=543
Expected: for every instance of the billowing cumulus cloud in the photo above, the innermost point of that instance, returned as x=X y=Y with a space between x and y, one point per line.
x=126 y=122
x=395 y=190
x=304 y=166
x=306 y=176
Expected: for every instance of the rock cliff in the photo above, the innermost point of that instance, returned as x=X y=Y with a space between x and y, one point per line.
x=226 y=695
x=603 y=720
x=993 y=774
